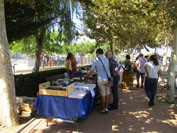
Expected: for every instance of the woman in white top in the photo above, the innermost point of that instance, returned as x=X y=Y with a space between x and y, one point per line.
x=152 y=69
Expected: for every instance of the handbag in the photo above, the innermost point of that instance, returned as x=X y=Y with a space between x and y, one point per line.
x=110 y=80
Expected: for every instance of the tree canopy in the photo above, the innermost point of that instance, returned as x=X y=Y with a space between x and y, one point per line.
x=23 y=20
x=128 y=23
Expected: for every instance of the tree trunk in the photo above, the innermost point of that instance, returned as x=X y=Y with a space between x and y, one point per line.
x=39 y=42
x=155 y=50
x=171 y=70
x=8 y=112
x=165 y=55
x=112 y=48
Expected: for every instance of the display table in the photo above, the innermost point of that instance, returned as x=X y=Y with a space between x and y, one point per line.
x=64 y=107
x=78 y=75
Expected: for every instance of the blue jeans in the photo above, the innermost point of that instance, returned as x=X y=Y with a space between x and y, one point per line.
x=138 y=74
x=150 y=87
x=115 y=90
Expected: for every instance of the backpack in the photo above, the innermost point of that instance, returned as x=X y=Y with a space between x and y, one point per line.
x=127 y=66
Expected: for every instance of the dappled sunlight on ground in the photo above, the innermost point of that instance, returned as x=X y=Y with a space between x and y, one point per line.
x=170 y=122
x=140 y=114
x=115 y=128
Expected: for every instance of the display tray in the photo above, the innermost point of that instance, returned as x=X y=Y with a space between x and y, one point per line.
x=64 y=91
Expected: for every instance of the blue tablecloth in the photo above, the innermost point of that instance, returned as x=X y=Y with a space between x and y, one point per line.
x=64 y=107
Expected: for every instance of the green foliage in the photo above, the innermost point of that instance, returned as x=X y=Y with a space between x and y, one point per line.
x=52 y=45
x=128 y=23
x=24 y=46
x=28 y=84
x=80 y=48
x=25 y=17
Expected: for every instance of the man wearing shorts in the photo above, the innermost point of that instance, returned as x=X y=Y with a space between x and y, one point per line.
x=140 y=64
x=102 y=78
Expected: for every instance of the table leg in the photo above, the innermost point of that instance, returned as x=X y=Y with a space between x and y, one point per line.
x=47 y=121
x=75 y=122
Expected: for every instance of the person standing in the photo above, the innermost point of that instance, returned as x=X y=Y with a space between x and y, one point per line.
x=73 y=63
x=68 y=64
x=114 y=69
x=127 y=80
x=152 y=72
x=101 y=66
x=140 y=64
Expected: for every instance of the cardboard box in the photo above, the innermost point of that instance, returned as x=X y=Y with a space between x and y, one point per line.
x=44 y=91
x=27 y=107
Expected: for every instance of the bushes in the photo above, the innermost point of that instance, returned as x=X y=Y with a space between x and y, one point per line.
x=28 y=84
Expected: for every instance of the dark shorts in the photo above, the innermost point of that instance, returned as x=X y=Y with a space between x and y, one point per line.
x=138 y=74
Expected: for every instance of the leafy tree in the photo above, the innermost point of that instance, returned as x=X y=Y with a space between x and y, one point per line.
x=133 y=24
x=169 y=8
x=39 y=21
x=51 y=45
x=125 y=23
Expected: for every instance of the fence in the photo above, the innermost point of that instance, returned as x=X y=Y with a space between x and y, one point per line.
x=61 y=62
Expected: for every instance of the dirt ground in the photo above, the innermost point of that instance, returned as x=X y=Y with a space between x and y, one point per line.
x=133 y=115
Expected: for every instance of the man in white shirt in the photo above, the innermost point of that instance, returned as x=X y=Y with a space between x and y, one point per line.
x=101 y=66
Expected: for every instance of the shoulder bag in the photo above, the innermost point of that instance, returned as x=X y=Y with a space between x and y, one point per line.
x=110 y=81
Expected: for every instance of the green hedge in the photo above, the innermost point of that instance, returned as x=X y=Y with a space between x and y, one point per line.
x=28 y=84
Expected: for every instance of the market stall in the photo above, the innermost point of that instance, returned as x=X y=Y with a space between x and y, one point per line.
x=66 y=104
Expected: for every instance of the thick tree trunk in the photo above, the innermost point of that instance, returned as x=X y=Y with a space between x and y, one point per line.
x=8 y=112
x=171 y=70
x=39 y=42
x=165 y=55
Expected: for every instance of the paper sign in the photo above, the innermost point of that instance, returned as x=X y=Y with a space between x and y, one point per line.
x=92 y=93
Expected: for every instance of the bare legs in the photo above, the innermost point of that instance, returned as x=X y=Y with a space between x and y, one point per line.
x=104 y=102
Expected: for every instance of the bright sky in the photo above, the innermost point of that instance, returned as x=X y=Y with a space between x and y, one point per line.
x=160 y=51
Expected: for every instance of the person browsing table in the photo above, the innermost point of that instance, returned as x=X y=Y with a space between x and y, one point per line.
x=101 y=66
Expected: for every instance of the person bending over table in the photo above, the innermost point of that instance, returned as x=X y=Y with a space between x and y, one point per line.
x=101 y=65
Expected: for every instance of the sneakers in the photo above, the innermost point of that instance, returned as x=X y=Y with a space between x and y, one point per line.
x=106 y=110
x=103 y=111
